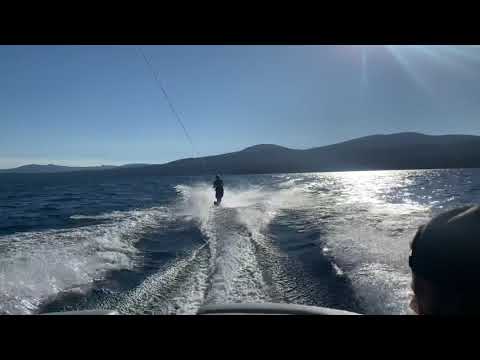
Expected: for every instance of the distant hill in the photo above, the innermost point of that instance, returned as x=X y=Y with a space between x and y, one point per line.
x=375 y=152
x=134 y=165
x=50 y=168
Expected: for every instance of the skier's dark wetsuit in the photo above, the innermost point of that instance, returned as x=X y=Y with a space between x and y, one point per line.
x=218 y=186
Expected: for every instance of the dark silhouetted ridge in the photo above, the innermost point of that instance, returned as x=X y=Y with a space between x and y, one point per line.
x=406 y=150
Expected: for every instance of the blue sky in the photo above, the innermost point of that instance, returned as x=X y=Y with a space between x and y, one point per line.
x=91 y=105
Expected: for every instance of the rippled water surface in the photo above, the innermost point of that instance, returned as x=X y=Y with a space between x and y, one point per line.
x=159 y=246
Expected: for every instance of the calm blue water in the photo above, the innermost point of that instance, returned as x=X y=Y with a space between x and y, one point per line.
x=158 y=246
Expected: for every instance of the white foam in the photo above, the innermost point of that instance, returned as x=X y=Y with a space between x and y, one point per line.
x=231 y=273
x=150 y=296
x=37 y=265
x=234 y=273
x=110 y=216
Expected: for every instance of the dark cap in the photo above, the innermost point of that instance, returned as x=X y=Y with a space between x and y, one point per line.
x=447 y=249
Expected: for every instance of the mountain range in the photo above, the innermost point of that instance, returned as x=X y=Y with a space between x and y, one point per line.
x=376 y=152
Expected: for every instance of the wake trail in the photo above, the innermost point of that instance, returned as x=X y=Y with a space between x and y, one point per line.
x=227 y=267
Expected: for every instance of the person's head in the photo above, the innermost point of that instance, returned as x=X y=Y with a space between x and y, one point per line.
x=445 y=264
x=217 y=177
